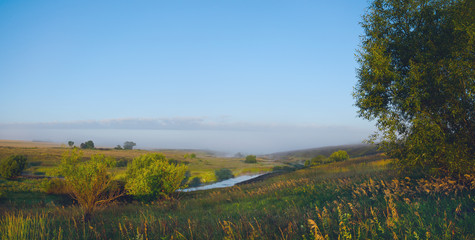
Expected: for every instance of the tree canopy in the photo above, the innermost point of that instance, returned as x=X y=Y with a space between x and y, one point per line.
x=87 y=145
x=152 y=176
x=338 y=156
x=89 y=182
x=129 y=145
x=416 y=79
x=12 y=166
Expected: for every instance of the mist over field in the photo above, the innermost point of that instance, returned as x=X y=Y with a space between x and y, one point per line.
x=188 y=133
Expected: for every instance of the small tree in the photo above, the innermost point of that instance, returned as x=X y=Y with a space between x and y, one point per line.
x=70 y=143
x=88 y=145
x=129 y=145
x=152 y=176
x=12 y=166
x=338 y=156
x=251 y=159
x=223 y=174
x=89 y=182
x=118 y=147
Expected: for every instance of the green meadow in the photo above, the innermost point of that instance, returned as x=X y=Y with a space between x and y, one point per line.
x=360 y=198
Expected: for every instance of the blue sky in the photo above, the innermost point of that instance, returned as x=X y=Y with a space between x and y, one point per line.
x=201 y=70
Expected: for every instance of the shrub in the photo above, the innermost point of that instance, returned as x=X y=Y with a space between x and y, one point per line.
x=12 y=166
x=152 y=176
x=54 y=186
x=195 y=182
x=251 y=159
x=307 y=163
x=223 y=174
x=88 y=182
x=338 y=156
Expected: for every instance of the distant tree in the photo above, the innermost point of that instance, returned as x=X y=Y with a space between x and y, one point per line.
x=193 y=155
x=338 y=156
x=251 y=159
x=223 y=174
x=88 y=145
x=12 y=166
x=129 y=145
x=152 y=176
x=416 y=79
x=118 y=147
x=89 y=182
x=238 y=155
x=70 y=143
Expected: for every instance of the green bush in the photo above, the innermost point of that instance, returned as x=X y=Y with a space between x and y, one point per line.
x=251 y=159
x=223 y=174
x=339 y=156
x=12 y=166
x=88 y=182
x=54 y=186
x=151 y=176
x=195 y=182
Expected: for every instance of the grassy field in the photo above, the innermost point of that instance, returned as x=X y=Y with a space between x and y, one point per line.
x=43 y=157
x=362 y=198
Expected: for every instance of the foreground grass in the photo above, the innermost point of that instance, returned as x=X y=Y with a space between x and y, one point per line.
x=358 y=199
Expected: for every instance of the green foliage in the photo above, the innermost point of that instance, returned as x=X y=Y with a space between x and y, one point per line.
x=118 y=147
x=190 y=156
x=417 y=80
x=223 y=174
x=307 y=163
x=54 y=186
x=320 y=159
x=152 y=176
x=251 y=159
x=195 y=182
x=12 y=166
x=339 y=156
x=88 y=145
x=129 y=145
x=88 y=182
x=70 y=143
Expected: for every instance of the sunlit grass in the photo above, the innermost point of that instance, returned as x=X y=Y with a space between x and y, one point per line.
x=362 y=198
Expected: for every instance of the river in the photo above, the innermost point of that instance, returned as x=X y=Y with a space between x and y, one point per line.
x=223 y=184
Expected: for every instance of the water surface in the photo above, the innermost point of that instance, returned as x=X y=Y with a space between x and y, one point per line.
x=223 y=184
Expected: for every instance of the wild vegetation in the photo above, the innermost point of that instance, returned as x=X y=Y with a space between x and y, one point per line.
x=360 y=198
x=416 y=80
x=12 y=166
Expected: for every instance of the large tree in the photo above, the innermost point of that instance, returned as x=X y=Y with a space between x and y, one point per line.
x=416 y=79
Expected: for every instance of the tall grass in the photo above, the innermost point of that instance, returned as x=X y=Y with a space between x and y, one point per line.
x=19 y=226
x=349 y=200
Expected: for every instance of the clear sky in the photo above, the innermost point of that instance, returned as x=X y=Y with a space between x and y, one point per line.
x=253 y=76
